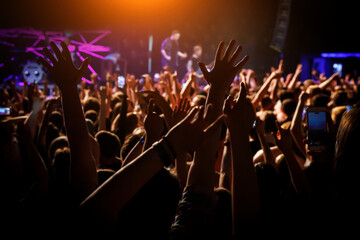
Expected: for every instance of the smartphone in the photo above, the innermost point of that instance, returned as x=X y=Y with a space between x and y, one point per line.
x=4 y=111
x=121 y=81
x=317 y=128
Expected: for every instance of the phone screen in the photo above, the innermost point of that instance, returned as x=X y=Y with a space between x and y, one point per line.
x=317 y=130
x=5 y=111
x=121 y=81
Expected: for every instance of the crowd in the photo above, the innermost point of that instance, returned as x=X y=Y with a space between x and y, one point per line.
x=165 y=160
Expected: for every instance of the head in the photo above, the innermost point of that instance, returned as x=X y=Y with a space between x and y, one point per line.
x=57 y=119
x=91 y=126
x=285 y=94
x=267 y=103
x=130 y=141
x=198 y=100
x=347 y=158
x=52 y=132
x=109 y=144
x=92 y=115
x=175 y=35
x=340 y=98
x=61 y=165
x=58 y=143
x=269 y=121
x=197 y=50
x=289 y=106
x=132 y=120
x=92 y=104
x=320 y=100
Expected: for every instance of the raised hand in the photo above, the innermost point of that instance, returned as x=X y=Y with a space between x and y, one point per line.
x=226 y=66
x=283 y=138
x=153 y=123
x=189 y=133
x=181 y=110
x=63 y=70
x=240 y=112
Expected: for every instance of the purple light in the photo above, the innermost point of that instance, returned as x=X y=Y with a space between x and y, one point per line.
x=9 y=77
x=340 y=55
x=20 y=84
x=82 y=59
x=86 y=80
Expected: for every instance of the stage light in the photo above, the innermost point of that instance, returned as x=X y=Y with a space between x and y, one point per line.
x=340 y=55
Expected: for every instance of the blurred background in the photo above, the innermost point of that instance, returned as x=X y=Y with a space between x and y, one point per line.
x=123 y=35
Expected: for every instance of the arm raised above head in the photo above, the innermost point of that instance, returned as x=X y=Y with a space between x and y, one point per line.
x=66 y=76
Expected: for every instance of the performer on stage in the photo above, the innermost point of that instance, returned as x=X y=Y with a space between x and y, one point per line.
x=170 y=51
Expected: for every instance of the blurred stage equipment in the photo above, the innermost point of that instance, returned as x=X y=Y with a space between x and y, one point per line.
x=281 y=25
x=24 y=44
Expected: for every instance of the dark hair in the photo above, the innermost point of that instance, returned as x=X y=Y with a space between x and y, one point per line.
x=92 y=115
x=285 y=94
x=269 y=119
x=320 y=100
x=347 y=161
x=130 y=142
x=92 y=103
x=52 y=132
x=90 y=125
x=289 y=106
x=57 y=119
x=59 y=142
x=267 y=103
x=109 y=143
x=61 y=165
x=340 y=98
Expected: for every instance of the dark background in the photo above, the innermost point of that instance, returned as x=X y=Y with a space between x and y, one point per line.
x=315 y=26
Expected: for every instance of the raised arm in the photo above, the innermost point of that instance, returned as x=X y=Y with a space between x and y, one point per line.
x=299 y=180
x=292 y=83
x=296 y=127
x=104 y=204
x=83 y=170
x=245 y=191
x=268 y=155
x=328 y=81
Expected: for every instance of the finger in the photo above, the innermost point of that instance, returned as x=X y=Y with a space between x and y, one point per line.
x=56 y=50
x=219 y=51
x=66 y=52
x=49 y=55
x=203 y=69
x=200 y=115
x=45 y=63
x=236 y=55
x=192 y=114
x=241 y=63
x=209 y=111
x=242 y=94
x=228 y=103
x=229 y=50
x=84 y=65
x=150 y=107
x=187 y=104
x=212 y=128
x=181 y=104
